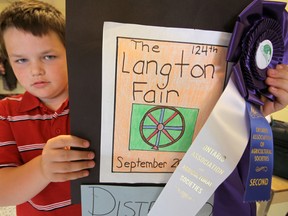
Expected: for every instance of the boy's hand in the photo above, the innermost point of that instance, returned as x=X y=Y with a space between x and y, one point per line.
x=60 y=164
x=277 y=79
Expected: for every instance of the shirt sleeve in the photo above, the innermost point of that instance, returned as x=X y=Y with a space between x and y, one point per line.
x=9 y=154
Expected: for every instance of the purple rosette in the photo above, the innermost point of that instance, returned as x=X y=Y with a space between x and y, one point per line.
x=258 y=42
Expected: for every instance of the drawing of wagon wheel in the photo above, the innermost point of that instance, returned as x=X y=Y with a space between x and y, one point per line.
x=162 y=126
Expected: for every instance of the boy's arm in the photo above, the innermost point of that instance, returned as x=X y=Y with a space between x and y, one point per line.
x=56 y=164
x=277 y=79
x=19 y=184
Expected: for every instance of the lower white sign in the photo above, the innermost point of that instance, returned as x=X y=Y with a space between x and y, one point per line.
x=114 y=200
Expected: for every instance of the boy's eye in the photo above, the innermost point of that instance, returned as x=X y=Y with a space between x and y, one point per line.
x=49 y=57
x=21 y=61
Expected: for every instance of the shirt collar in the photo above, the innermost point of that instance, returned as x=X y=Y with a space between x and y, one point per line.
x=30 y=102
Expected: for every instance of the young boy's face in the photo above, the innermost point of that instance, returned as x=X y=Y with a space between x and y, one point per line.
x=39 y=64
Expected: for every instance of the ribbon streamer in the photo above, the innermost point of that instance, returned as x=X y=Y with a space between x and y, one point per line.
x=211 y=158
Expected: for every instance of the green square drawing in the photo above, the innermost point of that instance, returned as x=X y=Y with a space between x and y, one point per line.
x=162 y=128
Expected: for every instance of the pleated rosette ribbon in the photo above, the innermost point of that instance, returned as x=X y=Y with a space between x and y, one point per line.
x=258 y=42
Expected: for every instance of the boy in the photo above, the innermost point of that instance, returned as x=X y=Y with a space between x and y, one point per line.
x=35 y=160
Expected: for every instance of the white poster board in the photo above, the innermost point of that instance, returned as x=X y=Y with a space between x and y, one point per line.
x=159 y=87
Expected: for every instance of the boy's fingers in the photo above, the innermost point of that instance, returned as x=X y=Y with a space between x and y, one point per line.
x=61 y=155
x=279 y=72
x=59 y=177
x=70 y=167
x=66 y=142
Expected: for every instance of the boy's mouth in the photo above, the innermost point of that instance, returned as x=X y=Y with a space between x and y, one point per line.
x=40 y=84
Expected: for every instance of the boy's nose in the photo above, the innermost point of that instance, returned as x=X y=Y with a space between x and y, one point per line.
x=37 y=69
x=38 y=73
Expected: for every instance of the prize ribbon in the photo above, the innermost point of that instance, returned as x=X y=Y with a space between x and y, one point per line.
x=260 y=30
x=258 y=42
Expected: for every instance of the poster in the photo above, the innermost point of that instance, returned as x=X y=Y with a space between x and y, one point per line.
x=159 y=87
x=84 y=43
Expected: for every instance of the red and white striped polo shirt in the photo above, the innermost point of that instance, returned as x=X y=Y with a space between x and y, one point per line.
x=25 y=126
